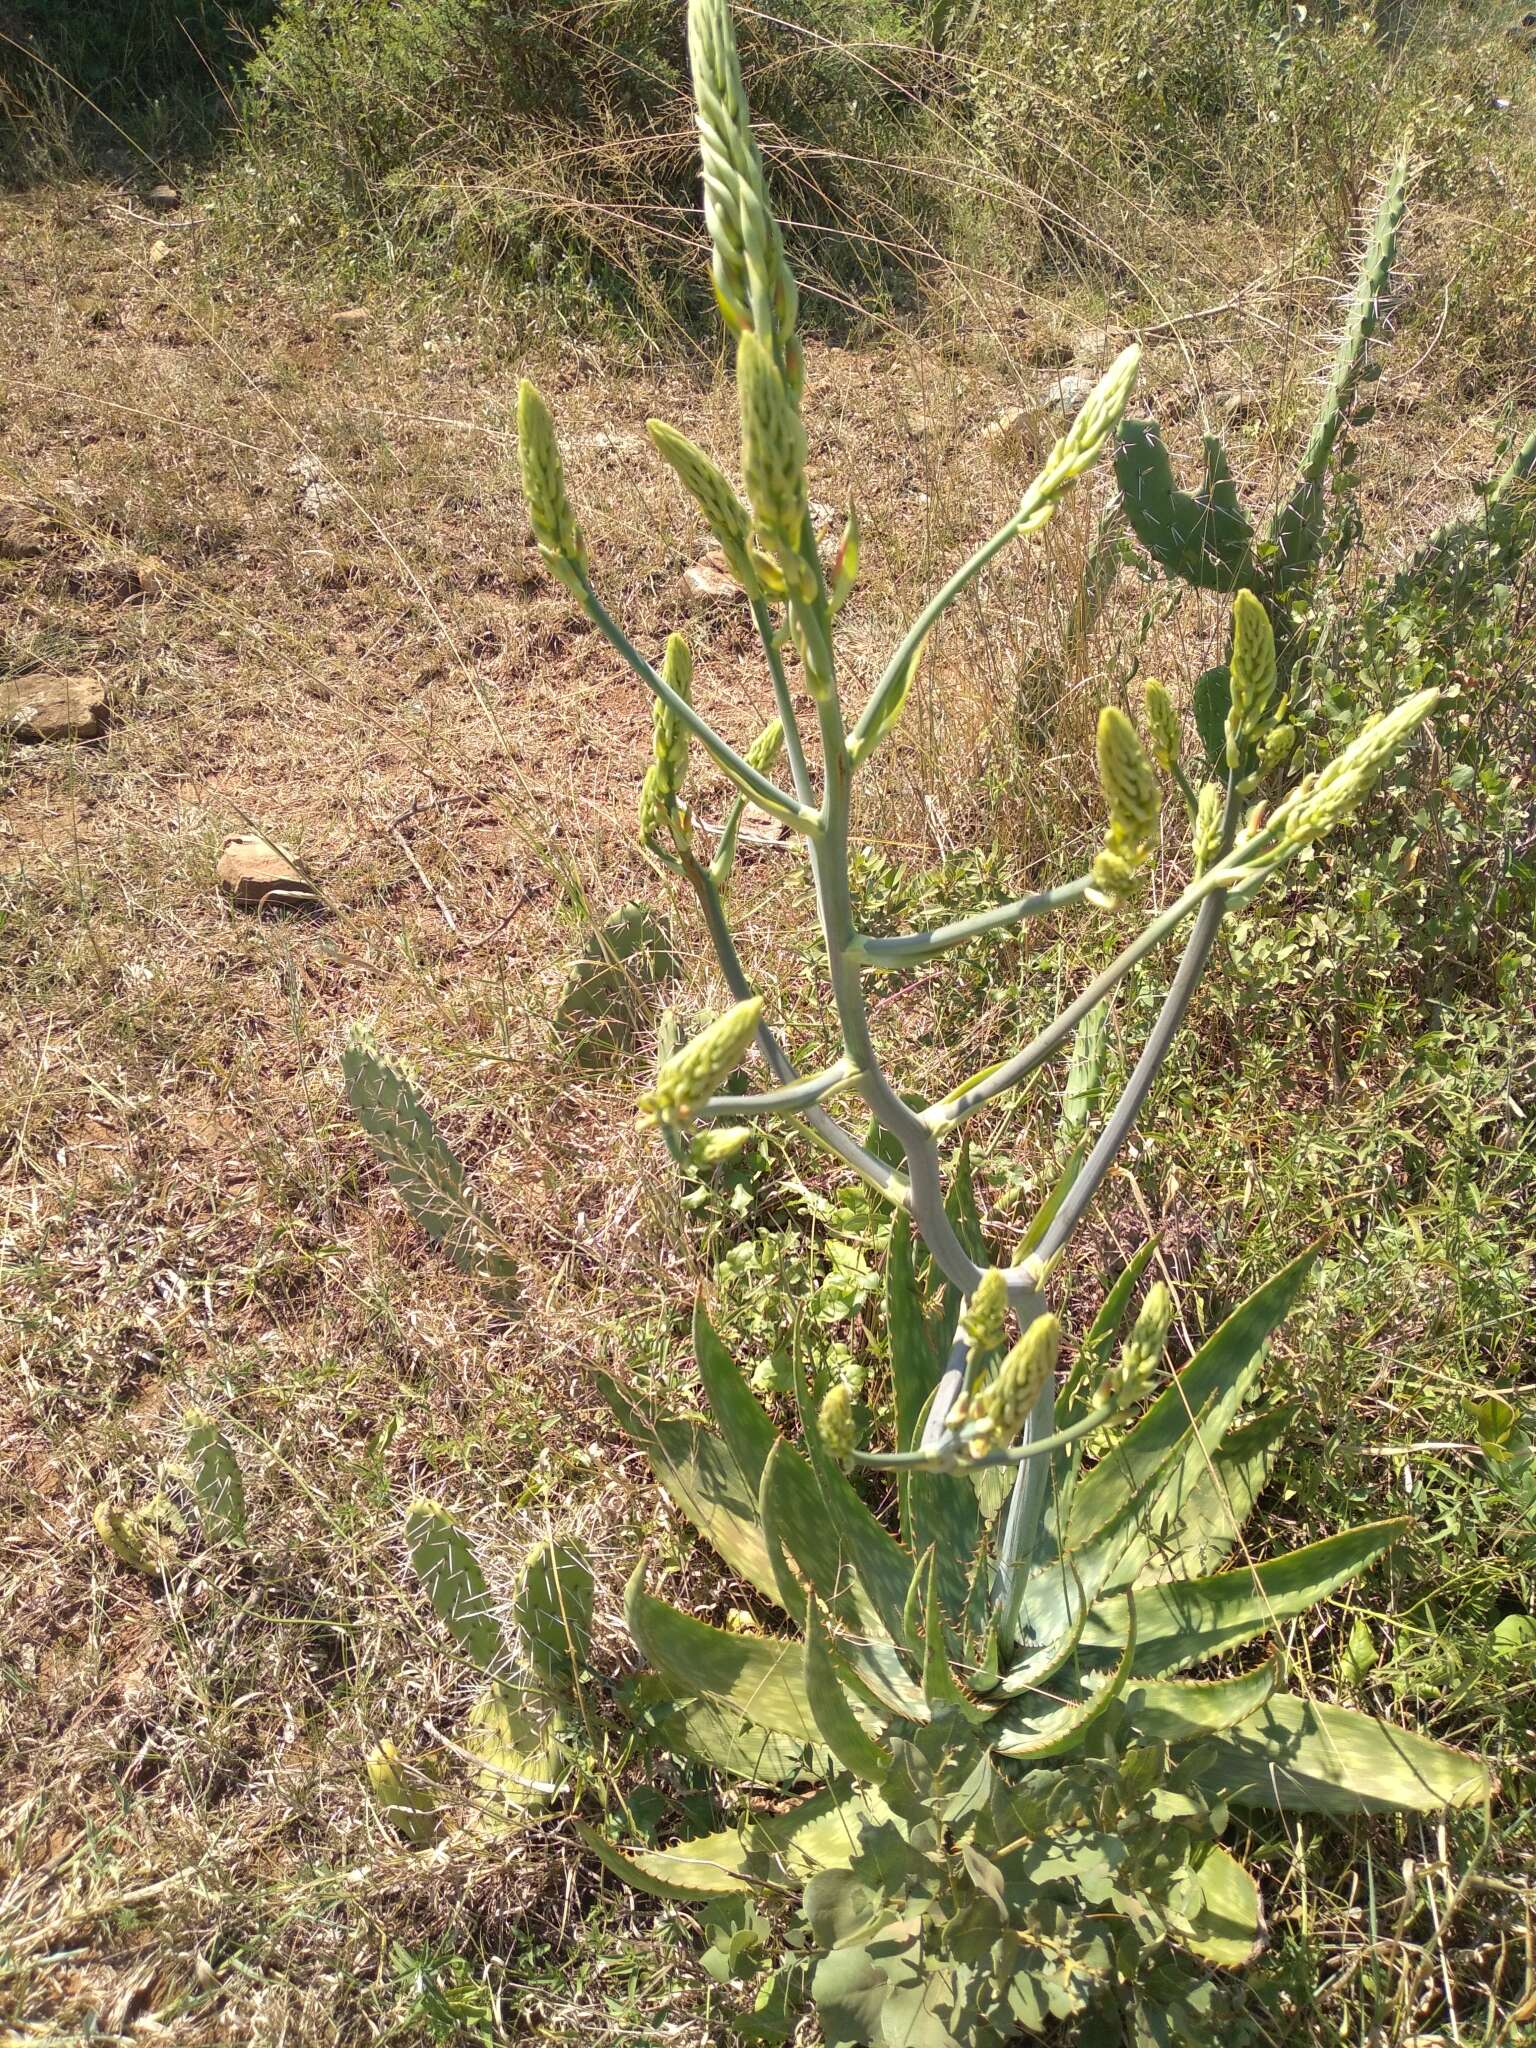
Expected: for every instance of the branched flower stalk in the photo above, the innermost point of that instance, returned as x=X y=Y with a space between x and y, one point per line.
x=770 y=545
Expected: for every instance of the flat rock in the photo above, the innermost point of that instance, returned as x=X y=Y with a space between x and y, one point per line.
x=38 y=708
x=164 y=196
x=351 y=318
x=1068 y=392
x=254 y=875
x=1008 y=426
x=711 y=577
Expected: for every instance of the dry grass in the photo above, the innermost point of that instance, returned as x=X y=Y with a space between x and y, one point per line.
x=294 y=554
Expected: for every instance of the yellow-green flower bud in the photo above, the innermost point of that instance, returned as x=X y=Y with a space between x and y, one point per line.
x=1276 y=746
x=1131 y=790
x=1110 y=880
x=1131 y=1375
x=669 y=736
x=845 y=564
x=718 y=1147
x=773 y=461
x=549 y=509
x=724 y=513
x=697 y=1071
x=1100 y=415
x=653 y=809
x=982 y=1322
x=1005 y=1405
x=1207 y=833
x=834 y=1420
x=1252 y=671
x=1326 y=800
x=766 y=748
x=1163 y=726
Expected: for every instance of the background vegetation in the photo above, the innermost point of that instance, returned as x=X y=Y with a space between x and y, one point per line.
x=291 y=549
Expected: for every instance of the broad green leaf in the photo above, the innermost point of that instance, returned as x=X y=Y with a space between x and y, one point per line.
x=552 y=1611
x=216 y=1479
x=425 y=1174
x=1194 y=1518
x=1182 y=1624
x=756 y=1677
x=841 y=1727
x=701 y=1476
x=1303 y=1758
x=842 y=1909
x=1189 y=1709
x=443 y=1558
x=849 y=1994
x=1220 y=1371
x=1228 y=1930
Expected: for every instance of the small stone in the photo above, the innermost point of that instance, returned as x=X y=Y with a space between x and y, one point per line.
x=351 y=318
x=1241 y=402
x=920 y=424
x=1096 y=345
x=159 y=250
x=1069 y=391
x=255 y=876
x=712 y=578
x=1008 y=424
x=164 y=196
x=37 y=708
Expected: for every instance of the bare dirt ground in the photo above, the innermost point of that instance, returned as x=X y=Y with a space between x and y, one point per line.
x=291 y=553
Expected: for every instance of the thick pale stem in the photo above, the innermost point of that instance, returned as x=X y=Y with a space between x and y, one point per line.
x=797 y=1096
x=777 y=802
x=882 y=1178
x=911 y=949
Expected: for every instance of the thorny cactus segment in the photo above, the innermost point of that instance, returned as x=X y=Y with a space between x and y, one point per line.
x=711 y=490
x=1134 y=802
x=753 y=283
x=549 y=509
x=1253 y=673
x=700 y=1068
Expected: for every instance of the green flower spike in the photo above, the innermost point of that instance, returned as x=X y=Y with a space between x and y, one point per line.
x=549 y=509
x=1163 y=725
x=834 y=1419
x=696 y=1072
x=1252 y=670
x=1003 y=1408
x=1131 y=1375
x=982 y=1323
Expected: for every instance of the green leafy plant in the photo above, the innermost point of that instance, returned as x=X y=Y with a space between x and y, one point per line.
x=1011 y=1800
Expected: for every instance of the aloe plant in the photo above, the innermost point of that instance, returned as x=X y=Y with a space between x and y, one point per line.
x=1009 y=1798
x=977 y=1828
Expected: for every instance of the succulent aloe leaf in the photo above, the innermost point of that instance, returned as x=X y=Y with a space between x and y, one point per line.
x=425 y=1174
x=881 y=1568
x=1050 y=1629
x=706 y=1868
x=1195 y=1517
x=1203 y=538
x=552 y=1611
x=1189 y=1709
x=1222 y=1369
x=928 y=1640
x=756 y=1677
x=702 y=1477
x=1060 y=1729
x=790 y=1501
x=1228 y=1929
x=443 y=1558
x=933 y=1509
x=216 y=1478
x=842 y=1729
x=1179 y=1625
x=1299 y=1757
x=406 y=1798
x=691 y=1726
x=915 y=1361
x=744 y=1422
